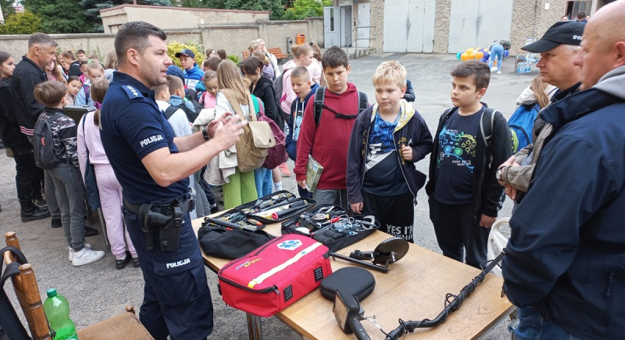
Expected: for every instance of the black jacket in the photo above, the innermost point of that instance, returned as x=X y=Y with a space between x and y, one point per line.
x=265 y=92
x=26 y=76
x=566 y=253
x=410 y=126
x=9 y=129
x=487 y=192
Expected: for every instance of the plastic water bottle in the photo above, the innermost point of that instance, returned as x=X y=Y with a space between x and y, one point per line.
x=57 y=311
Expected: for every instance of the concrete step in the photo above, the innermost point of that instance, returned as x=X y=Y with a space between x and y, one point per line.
x=353 y=53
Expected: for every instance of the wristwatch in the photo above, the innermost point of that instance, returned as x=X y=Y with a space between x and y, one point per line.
x=499 y=174
x=205 y=133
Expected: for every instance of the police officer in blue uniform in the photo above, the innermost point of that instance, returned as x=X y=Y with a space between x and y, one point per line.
x=153 y=168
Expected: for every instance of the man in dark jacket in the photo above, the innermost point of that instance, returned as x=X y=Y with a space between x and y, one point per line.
x=25 y=182
x=565 y=261
x=28 y=73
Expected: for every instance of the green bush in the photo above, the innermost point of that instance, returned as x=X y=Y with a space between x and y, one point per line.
x=21 y=23
x=175 y=47
x=303 y=9
x=234 y=58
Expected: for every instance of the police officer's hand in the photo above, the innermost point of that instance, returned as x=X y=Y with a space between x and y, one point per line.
x=229 y=133
x=212 y=126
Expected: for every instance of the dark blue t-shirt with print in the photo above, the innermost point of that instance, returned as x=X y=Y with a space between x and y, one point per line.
x=456 y=158
x=383 y=176
x=133 y=127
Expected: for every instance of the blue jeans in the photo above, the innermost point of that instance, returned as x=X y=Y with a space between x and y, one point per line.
x=532 y=326
x=264 y=181
x=496 y=51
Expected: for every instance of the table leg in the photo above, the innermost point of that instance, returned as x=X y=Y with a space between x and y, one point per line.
x=254 y=326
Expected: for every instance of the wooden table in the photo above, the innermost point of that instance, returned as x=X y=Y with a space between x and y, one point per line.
x=414 y=289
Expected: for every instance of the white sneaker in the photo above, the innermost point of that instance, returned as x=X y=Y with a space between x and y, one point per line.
x=498 y=72
x=71 y=251
x=493 y=69
x=86 y=256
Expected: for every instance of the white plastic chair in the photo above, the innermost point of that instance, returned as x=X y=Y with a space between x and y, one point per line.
x=497 y=241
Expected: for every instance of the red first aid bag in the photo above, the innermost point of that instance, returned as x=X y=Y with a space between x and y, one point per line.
x=274 y=276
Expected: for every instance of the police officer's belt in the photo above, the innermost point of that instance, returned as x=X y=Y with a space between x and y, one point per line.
x=160 y=208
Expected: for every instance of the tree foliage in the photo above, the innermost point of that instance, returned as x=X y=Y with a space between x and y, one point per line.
x=303 y=9
x=274 y=6
x=92 y=9
x=21 y=23
x=58 y=16
x=7 y=8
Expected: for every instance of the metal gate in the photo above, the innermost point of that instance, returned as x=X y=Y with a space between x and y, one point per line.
x=409 y=25
x=476 y=23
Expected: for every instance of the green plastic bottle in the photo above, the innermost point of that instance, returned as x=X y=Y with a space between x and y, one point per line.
x=57 y=311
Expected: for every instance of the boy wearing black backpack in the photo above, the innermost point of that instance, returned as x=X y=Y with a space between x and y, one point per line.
x=387 y=141
x=324 y=135
x=56 y=151
x=301 y=83
x=470 y=143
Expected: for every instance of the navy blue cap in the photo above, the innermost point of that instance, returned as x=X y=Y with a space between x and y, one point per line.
x=186 y=52
x=560 y=33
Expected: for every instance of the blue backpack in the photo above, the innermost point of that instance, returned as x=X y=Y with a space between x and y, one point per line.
x=521 y=125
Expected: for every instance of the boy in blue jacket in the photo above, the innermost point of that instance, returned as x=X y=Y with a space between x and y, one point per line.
x=300 y=80
x=192 y=72
x=386 y=141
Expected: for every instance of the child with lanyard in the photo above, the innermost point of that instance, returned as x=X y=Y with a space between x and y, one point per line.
x=301 y=85
x=387 y=140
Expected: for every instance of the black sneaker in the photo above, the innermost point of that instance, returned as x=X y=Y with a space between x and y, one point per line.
x=40 y=202
x=121 y=264
x=135 y=262
x=35 y=213
x=91 y=232
x=56 y=222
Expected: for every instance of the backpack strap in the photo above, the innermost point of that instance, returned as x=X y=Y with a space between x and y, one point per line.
x=447 y=114
x=487 y=122
x=87 y=89
x=319 y=105
x=170 y=111
x=362 y=101
x=320 y=95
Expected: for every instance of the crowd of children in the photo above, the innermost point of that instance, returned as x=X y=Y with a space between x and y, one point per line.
x=368 y=152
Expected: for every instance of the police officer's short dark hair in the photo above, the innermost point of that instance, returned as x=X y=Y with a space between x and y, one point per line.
x=41 y=39
x=478 y=69
x=135 y=35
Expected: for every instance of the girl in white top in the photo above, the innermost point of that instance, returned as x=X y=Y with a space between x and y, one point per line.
x=241 y=187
